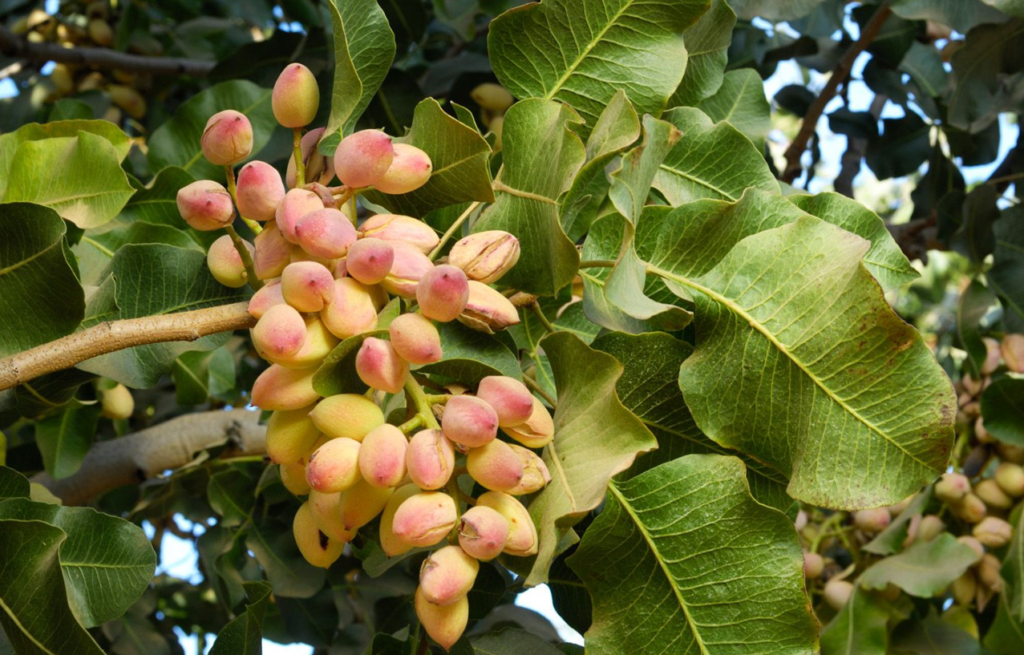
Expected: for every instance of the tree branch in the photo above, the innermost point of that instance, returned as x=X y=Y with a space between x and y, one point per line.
x=15 y=46
x=839 y=74
x=110 y=336
x=147 y=453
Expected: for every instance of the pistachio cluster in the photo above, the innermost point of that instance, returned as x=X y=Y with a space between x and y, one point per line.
x=324 y=278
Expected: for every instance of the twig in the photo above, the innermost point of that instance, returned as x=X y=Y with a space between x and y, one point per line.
x=535 y=386
x=300 y=166
x=14 y=46
x=839 y=74
x=539 y=313
x=111 y=336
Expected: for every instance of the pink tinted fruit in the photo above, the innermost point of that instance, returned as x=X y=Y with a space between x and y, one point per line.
x=415 y=339
x=259 y=191
x=296 y=96
x=307 y=286
x=280 y=332
x=325 y=233
x=227 y=138
x=380 y=367
x=469 y=421
x=369 y=260
x=443 y=293
x=511 y=400
x=295 y=205
x=363 y=157
x=205 y=205
x=409 y=170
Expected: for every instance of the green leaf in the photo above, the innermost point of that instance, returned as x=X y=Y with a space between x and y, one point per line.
x=511 y=641
x=12 y=484
x=230 y=493
x=707 y=44
x=595 y=438
x=1006 y=634
x=675 y=546
x=860 y=628
x=934 y=636
x=891 y=539
x=925 y=65
x=1006 y=277
x=1013 y=571
x=980 y=88
x=274 y=546
x=94 y=251
x=39 y=132
x=199 y=376
x=901 y=149
x=177 y=142
x=740 y=100
x=152 y=280
x=310 y=620
x=35 y=613
x=157 y=203
x=923 y=569
x=469 y=355
x=65 y=438
x=460 y=157
x=106 y=561
x=710 y=161
x=243 y=635
x=80 y=177
x=541 y=157
x=841 y=384
x=975 y=302
x=961 y=15
x=40 y=297
x=582 y=51
x=649 y=389
x=364 y=47
x=1002 y=406
x=774 y=10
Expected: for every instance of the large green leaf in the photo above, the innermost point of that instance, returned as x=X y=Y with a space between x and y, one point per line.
x=199 y=376
x=65 y=438
x=924 y=569
x=801 y=363
x=460 y=157
x=541 y=157
x=981 y=89
x=740 y=100
x=1006 y=277
x=860 y=628
x=707 y=44
x=683 y=560
x=40 y=297
x=710 y=161
x=272 y=542
x=364 y=47
x=595 y=438
x=95 y=250
x=243 y=635
x=469 y=355
x=177 y=142
x=1002 y=405
x=106 y=561
x=34 y=610
x=648 y=388
x=150 y=280
x=1006 y=635
x=78 y=176
x=12 y=484
x=582 y=51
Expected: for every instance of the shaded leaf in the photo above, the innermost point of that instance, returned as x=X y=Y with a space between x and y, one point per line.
x=12 y=484
x=511 y=641
x=1006 y=277
x=891 y=539
x=901 y=149
x=469 y=355
x=980 y=90
x=707 y=46
x=244 y=634
x=860 y=628
x=1002 y=406
x=65 y=438
x=274 y=546
x=923 y=569
x=230 y=493
x=741 y=101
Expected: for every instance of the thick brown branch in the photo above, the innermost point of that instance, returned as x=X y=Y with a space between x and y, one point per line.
x=147 y=453
x=839 y=74
x=15 y=46
x=111 y=336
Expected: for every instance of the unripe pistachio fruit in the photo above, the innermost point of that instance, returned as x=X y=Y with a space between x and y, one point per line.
x=259 y=191
x=837 y=593
x=307 y=286
x=100 y=32
x=485 y=256
x=952 y=487
x=389 y=542
x=539 y=429
x=535 y=472
x=226 y=264
x=291 y=436
x=992 y=495
x=205 y=205
x=415 y=339
x=483 y=532
x=284 y=388
x=362 y=158
x=127 y=98
x=469 y=421
x=970 y=509
x=993 y=354
x=407 y=267
x=492 y=97
x=511 y=400
x=872 y=521
x=296 y=97
x=495 y=466
x=382 y=456
x=295 y=205
x=410 y=169
x=325 y=233
x=352 y=310
x=334 y=466
x=362 y=503
x=346 y=416
x=393 y=227
x=273 y=252
x=326 y=511
x=522 y=536
x=447 y=575
x=424 y=518
x=316 y=547
x=293 y=477
x=993 y=532
x=1010 y=478
x=446 y=624
x=987 y=571
x=1013 y=352
x=814 y=564
x=965 y=588
x=980 y=433
x=976 y=546
x=319 y=343
x=430 y=459
x=931 y=526
x=280 y=332
x=487 y=310
x=117 y=402
x=442 y=293
x=319 y=169
x=380 y=367
x=369 y=260
x=227 y=138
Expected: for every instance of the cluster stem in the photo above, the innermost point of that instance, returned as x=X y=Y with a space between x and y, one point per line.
x=229 y=173
x=300 y=166
x=243 y=252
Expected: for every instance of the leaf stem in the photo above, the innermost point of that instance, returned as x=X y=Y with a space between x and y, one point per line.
x=300 y=167
x=539 y=313
x=451 y=230
x=597 y=263
x=539 y=390
x=438 y=398
x=243 y=252
x=229 y=173
x=414 y=393
x=412 y=424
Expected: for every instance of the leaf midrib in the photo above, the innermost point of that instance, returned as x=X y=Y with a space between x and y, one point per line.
x=704 y=183
x=29 y=260
x=613 y=488
x=754 y=323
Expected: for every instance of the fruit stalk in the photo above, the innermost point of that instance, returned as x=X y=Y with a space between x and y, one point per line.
x=243 y=252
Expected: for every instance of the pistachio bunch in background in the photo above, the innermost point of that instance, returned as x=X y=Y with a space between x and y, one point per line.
x=322 y=278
